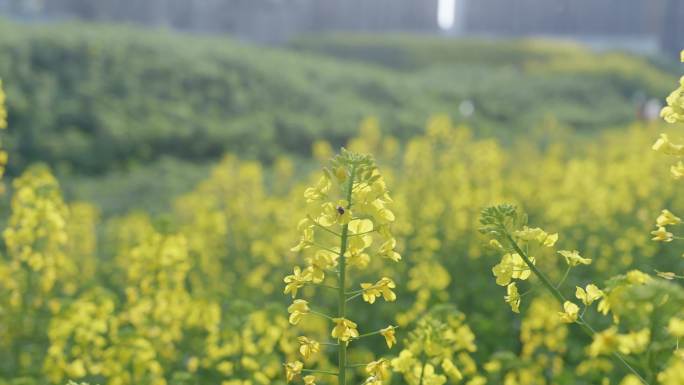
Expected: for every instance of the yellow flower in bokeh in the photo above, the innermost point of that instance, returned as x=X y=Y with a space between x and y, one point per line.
x=381 y=288
x=388 y=333
x=308 y=346
x=667 y=218
x=661 y=234
x=378 y=371
x=298 y=308
x=588 y=296
x=309 y=380
x=676 y=327
x=677 y=170
x=573 y=258
x=298 y=279
x=451 y=370
x=293 y=369
x=344 y=329
x=512 y=297
x=511 y=266
x=570 y=312
x=665 y=146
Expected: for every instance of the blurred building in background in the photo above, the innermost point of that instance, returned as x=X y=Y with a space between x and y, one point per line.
x=640 y=24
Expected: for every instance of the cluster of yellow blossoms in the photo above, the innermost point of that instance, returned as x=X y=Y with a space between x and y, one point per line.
x=347 y=212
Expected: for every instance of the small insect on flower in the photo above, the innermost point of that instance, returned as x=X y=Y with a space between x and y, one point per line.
x=340 y=210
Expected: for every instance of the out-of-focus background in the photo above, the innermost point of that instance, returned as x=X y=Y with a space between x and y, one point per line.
x=181 y=135
x=149 y=83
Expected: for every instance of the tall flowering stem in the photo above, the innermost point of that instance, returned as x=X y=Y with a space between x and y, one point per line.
x=342 y=275
x=337 y=236
x=504 y=225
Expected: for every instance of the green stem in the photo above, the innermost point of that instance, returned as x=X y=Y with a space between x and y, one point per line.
x=559 y=296
x=370 y=334
x=341 y=300
x=319 y=371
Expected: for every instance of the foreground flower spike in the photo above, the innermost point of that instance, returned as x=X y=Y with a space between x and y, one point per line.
x=347 y=225
x=510 y=236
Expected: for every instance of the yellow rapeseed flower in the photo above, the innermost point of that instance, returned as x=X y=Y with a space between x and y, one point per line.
x=667 y=218
x=512 y=297
x=573 y=258
x=570 y=312
x=344 y=329
x=388 y=333
x=298 y=308
x=661 y=234
x=308 y=346
x=293 y=369
x=588 y=296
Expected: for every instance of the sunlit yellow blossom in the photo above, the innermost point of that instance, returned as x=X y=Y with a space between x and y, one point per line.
x=293 y=369
x=511 y=266
x=588 y=296
x=661 y=234
x=378 y=371
x=297 y=280
x=537 y=234
x=306 y=227
x=344 y=329
x=570 y=312
x=573 y=258
x=383 y=287
x=298 y=308
x=309 y=380
x=512 y=297
x=667 y=218
x=387 y=250
x=388 y=333
x=320 y=262
x=308 y=346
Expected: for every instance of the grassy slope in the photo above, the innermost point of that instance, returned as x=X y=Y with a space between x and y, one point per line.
x=97 y=105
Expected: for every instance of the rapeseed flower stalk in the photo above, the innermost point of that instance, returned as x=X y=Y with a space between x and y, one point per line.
x=438 y=350
x=347 y=224
x=508 y=231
